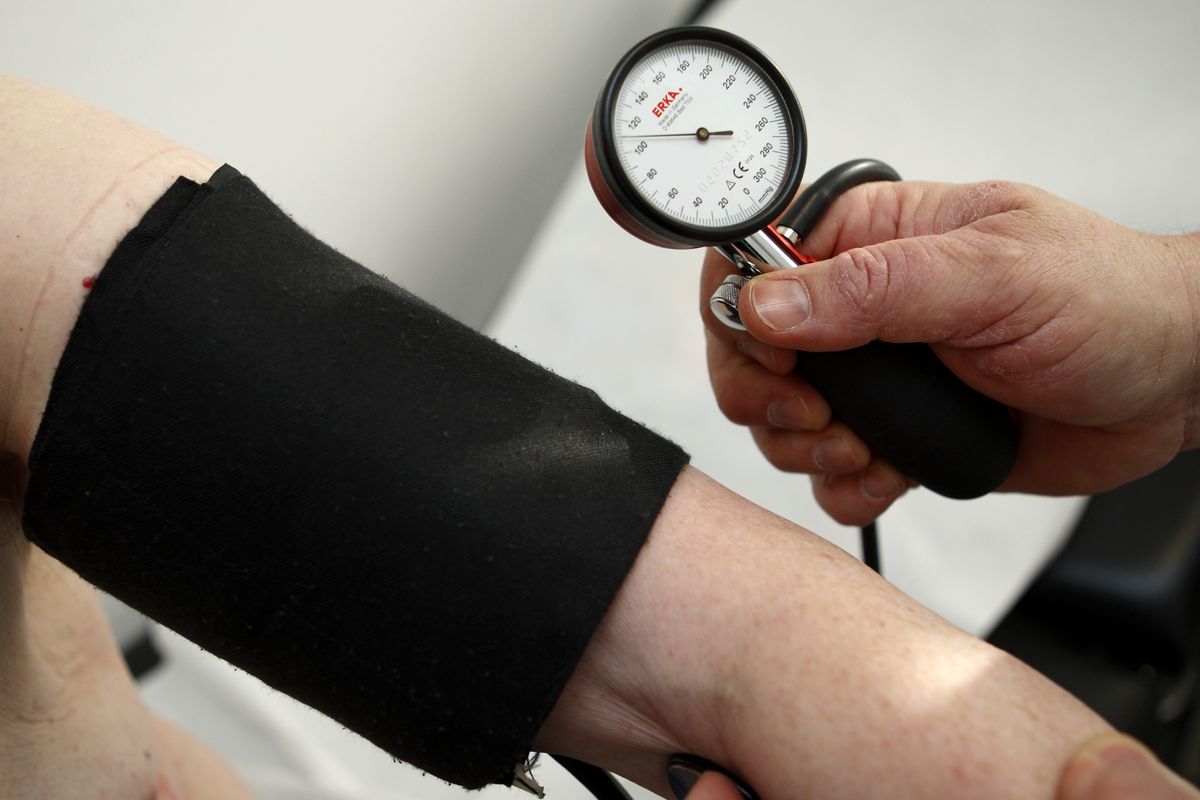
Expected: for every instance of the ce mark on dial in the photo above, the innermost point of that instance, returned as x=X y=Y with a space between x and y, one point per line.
x=742 y=169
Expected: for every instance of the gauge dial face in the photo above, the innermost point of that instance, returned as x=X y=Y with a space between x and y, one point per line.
x=702 y=134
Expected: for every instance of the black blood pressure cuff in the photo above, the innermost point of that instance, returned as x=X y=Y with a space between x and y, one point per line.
x=335 y=487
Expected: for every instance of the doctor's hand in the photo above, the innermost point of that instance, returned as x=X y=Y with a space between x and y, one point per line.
x=1086 y=329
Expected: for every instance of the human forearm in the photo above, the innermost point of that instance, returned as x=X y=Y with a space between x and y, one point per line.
x=785 y=660
x=308 y=471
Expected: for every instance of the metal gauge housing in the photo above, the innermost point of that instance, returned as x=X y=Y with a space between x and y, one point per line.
x=696 y=139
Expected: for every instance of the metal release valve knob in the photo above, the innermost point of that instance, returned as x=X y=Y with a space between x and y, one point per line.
x=724 y=301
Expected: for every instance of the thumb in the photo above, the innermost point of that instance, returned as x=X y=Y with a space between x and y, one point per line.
x=920 y=289
x=707 y=786
x=1115 y=767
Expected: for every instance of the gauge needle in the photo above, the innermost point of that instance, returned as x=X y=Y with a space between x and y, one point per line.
x=701 y=133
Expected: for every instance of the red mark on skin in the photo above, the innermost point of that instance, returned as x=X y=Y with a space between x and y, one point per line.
x=163 y=791
x=89 y=281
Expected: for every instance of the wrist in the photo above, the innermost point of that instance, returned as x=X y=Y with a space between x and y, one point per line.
x=1185 y=250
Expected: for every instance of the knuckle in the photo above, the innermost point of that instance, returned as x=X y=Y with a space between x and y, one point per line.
x=845 y=512
x=861 y=278
x=838 y=496
x=780 y=450
x=993 y=197
x=734 y=403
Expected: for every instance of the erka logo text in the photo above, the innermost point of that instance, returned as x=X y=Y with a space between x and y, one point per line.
x=668 y=98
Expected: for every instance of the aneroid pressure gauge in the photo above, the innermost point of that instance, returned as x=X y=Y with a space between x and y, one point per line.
x=696 y=140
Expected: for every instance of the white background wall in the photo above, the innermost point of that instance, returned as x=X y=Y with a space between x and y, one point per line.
x=424 y=139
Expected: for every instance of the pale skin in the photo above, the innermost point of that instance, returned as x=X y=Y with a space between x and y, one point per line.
x=73 y=180
x=737 y=636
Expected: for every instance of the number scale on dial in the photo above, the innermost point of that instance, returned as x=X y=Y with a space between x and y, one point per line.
x=701 y=134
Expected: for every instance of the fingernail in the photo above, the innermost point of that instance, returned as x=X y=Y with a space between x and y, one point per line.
x=791 y=413
x=1136 y=771
x=833 y=454
x=879 y=485
x=780 y=304
x=760 y=352
x=682 y=777
x=1119 y=764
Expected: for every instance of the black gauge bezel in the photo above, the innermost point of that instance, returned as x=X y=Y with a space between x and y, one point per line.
x=627 y=195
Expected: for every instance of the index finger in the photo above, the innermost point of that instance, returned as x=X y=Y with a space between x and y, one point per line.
x=878 y=212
